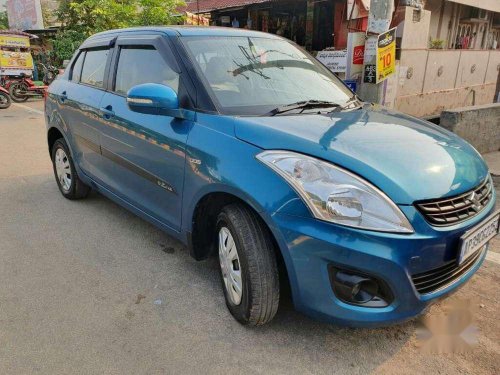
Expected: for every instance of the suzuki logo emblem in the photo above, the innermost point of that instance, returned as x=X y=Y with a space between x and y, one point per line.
x=476 y=203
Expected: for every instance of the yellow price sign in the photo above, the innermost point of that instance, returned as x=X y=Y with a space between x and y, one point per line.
x=386 y=54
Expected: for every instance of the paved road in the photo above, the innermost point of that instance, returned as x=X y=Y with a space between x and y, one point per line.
x=86 y=287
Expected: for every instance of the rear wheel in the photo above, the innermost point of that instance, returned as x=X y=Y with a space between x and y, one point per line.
x=248 y=266
x=4 y=100
x=67 y=179
x=18 y=92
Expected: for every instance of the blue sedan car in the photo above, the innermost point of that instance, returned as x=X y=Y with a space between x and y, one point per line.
x=241 y=144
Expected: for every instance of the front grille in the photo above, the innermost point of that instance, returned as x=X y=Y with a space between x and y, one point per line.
x=438 y=278
x=454 y=210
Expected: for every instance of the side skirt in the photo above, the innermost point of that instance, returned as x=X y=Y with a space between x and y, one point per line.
x=137 y=211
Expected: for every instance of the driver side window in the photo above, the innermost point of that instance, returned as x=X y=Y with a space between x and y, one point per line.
x=143 y=64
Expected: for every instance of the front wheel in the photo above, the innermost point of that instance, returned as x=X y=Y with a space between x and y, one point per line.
x=19 y=92
x=248 y=266
x=4 y=100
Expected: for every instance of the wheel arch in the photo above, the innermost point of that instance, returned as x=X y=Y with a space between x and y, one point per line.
x=53 y=134
x=202 y=220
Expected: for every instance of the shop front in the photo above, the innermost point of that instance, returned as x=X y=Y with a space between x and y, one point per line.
x=309 y=23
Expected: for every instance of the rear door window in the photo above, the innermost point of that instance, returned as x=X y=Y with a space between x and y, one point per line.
x=77 y=68
x=94 y=67
x=143 y=64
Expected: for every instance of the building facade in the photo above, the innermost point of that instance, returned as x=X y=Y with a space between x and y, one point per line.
x=31 y=14
x=448 y=52
x=314 y=24
x=448 y=57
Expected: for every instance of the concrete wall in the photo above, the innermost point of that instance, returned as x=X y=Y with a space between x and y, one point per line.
x=414 y=32
x=429 y=81
x=479 y=125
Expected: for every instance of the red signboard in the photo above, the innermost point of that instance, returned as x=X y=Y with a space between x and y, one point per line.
x=358 y=56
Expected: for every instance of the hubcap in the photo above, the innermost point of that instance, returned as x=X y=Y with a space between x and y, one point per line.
x=230 y=266
x=63 y=169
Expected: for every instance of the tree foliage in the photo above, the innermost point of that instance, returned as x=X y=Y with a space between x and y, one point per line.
x=157 y=12
x=66 y=43
x=82 y=18
x=91 y=16
x=4 y=22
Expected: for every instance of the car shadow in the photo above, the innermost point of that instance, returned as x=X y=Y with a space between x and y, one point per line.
x=352 y=345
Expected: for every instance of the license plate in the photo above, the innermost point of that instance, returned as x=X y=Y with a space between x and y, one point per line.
x=475 y=238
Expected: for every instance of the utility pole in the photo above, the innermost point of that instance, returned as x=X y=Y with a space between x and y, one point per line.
x=379 y=21
x=198 y=11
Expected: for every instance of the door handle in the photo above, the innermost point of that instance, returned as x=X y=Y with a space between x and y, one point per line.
x=63 y=97
x=107 y=112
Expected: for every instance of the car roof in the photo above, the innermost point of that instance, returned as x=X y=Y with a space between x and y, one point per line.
x=184 y=31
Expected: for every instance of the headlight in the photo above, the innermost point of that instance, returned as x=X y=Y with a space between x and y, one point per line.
x=336 y=195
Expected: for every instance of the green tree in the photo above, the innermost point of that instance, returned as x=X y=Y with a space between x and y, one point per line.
x=91 y=16
x=82 y=18
x=66 y=42
x=4 y=22
x=157 y=12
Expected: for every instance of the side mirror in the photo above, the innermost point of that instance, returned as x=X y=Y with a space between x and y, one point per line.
x=153 y=98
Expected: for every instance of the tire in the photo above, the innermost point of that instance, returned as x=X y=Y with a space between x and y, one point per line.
x=16 y=89
x=4 y=100
x=256 y=262
x=70 y=186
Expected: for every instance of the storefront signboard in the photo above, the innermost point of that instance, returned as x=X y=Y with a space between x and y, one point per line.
x=336 y=61
x=14 y=41
x=355 y=54
x=25 y=14
x=370 y=73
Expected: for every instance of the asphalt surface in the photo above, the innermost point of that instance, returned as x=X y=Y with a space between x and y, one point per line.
x=86 y=287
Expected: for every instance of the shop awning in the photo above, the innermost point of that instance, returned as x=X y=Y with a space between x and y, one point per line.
x=491 y=5
x=205 y=6
x=18 y=33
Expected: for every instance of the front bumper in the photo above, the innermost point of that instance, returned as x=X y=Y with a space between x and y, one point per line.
x=309 y=246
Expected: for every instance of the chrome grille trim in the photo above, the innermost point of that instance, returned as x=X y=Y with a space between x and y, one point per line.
x=444 y=276
x=454 y=210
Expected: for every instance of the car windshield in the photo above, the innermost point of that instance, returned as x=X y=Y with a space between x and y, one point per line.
x=254 y=75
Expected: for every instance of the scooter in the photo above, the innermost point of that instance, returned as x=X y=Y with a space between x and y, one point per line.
x=4 y=98
x=25 y=88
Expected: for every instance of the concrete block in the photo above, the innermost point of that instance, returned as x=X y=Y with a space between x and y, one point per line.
x=478 y=125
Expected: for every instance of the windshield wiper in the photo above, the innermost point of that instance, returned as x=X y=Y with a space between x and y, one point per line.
x=347 y=104
x=303 y=105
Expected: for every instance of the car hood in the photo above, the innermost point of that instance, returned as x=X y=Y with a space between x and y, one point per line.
x=407 y=158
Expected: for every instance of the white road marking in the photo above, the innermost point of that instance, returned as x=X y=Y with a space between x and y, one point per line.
x=493 y=257
x=28 y=108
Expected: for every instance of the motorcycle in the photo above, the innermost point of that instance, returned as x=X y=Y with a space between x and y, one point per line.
x=25 y=88
x=4 y=98
x=49 y=73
